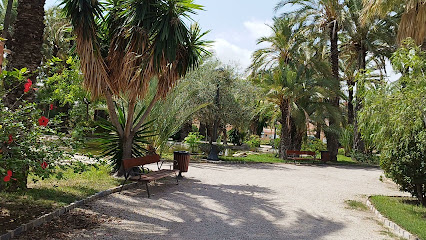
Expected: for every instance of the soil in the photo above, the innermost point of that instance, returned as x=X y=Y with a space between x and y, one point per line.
x=60 y=227
x=13 y=214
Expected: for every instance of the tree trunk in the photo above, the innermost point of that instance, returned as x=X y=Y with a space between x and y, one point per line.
x=351 y=114
x=358 y=143
x=332 y=137
x=285 y=138
x=26 y=49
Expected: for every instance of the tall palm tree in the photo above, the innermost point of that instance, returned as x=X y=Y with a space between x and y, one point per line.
x=413 y=19
x=288 y=70
x=26 y=47
x=325 y=16
x=372 y=42
x=141 y=40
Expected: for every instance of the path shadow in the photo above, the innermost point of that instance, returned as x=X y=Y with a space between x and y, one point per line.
x=195 y=210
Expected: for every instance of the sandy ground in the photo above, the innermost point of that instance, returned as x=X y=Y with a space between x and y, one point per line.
x=250 y=201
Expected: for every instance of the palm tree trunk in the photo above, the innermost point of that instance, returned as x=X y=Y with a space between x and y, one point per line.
x=27 y=41
x=332 y=138
x=285 y=138
x=358 y=143
x=351 y=114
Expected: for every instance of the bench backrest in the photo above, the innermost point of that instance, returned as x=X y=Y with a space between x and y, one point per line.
x=294 y=152
x=140 y=161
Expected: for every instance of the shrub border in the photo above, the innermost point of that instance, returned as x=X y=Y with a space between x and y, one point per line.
x=395 y=228
x=58 y=212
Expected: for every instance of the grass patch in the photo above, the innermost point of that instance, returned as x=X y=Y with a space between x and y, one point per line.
x=92 y=147
x=43 y=196
x=356 y=205
x=403 y=211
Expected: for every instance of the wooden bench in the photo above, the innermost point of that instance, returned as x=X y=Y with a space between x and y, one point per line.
x=144 y=175
x=296 y=155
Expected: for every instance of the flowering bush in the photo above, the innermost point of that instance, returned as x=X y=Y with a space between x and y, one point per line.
x=27 y=143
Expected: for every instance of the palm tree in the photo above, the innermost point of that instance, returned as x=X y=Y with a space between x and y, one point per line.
x=141 y=40
x=323 y=15
x=289 y=69
x=413 y=19
x=372 y=42
x=26 y=47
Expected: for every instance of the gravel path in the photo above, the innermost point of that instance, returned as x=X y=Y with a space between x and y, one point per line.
x=251 y=201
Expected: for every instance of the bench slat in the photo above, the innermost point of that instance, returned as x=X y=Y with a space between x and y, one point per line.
x=152 y=176
x=140 y=161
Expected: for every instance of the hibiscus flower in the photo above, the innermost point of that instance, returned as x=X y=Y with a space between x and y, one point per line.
x=27 y=86
x=44 y=165
x=43 y=121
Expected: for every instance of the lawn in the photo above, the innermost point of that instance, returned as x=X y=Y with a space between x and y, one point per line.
x=43 y=196
x=403 y=211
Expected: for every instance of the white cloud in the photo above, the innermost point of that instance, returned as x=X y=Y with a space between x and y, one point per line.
x=229 y=53
x=258 y=29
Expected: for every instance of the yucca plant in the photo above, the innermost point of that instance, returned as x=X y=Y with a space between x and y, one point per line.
x=111 y=142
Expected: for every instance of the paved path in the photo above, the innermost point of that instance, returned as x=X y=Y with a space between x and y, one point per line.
x=252 y=201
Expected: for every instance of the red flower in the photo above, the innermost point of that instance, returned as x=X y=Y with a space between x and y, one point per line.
x=10 y=139
x=27 y=86
x=43 y=121
x=9 y=175
x=6 y=179
x=51 y=107
x=44 y=165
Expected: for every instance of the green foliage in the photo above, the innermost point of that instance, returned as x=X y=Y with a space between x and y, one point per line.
x=275 y=143
x=314 y=145
x=193 y=139
x=368 y=158
x=195 y=128
x=253 y=141
x=205 y=147
x=111 y=143
x=63 y=94
x=26 y=146
x=235 y=136
x=395 y=116
x=347 y=139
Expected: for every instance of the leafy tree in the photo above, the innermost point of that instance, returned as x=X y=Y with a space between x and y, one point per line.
x=323 y=15
x=394 y=115
x=295 y=77
x=193 y=139
x=138 y=41
x=364 y=45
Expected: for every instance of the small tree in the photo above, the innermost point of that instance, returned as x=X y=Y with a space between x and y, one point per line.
x=396 y=114
x=193 y=139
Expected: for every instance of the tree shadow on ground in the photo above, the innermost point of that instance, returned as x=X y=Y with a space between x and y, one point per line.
x=194 y=210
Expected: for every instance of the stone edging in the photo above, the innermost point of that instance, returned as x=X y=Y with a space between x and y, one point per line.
x=391 y=225
x=49 y=216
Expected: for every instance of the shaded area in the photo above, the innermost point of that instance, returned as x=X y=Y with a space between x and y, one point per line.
x=194 y=210
x=59 y=228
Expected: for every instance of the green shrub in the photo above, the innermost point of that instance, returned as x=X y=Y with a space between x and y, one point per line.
x=195 y=128
x=394 y=117
x=193 y=140
x=253 y=141
x=368 y=158
x=235 y=137
x=275 y=143
x=314 y=145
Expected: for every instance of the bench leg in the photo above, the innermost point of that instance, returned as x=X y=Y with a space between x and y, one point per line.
x=177 y=179
x=147 y=189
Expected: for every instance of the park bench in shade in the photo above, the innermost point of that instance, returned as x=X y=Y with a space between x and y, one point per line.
x=297 y=155
x=144 y=175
